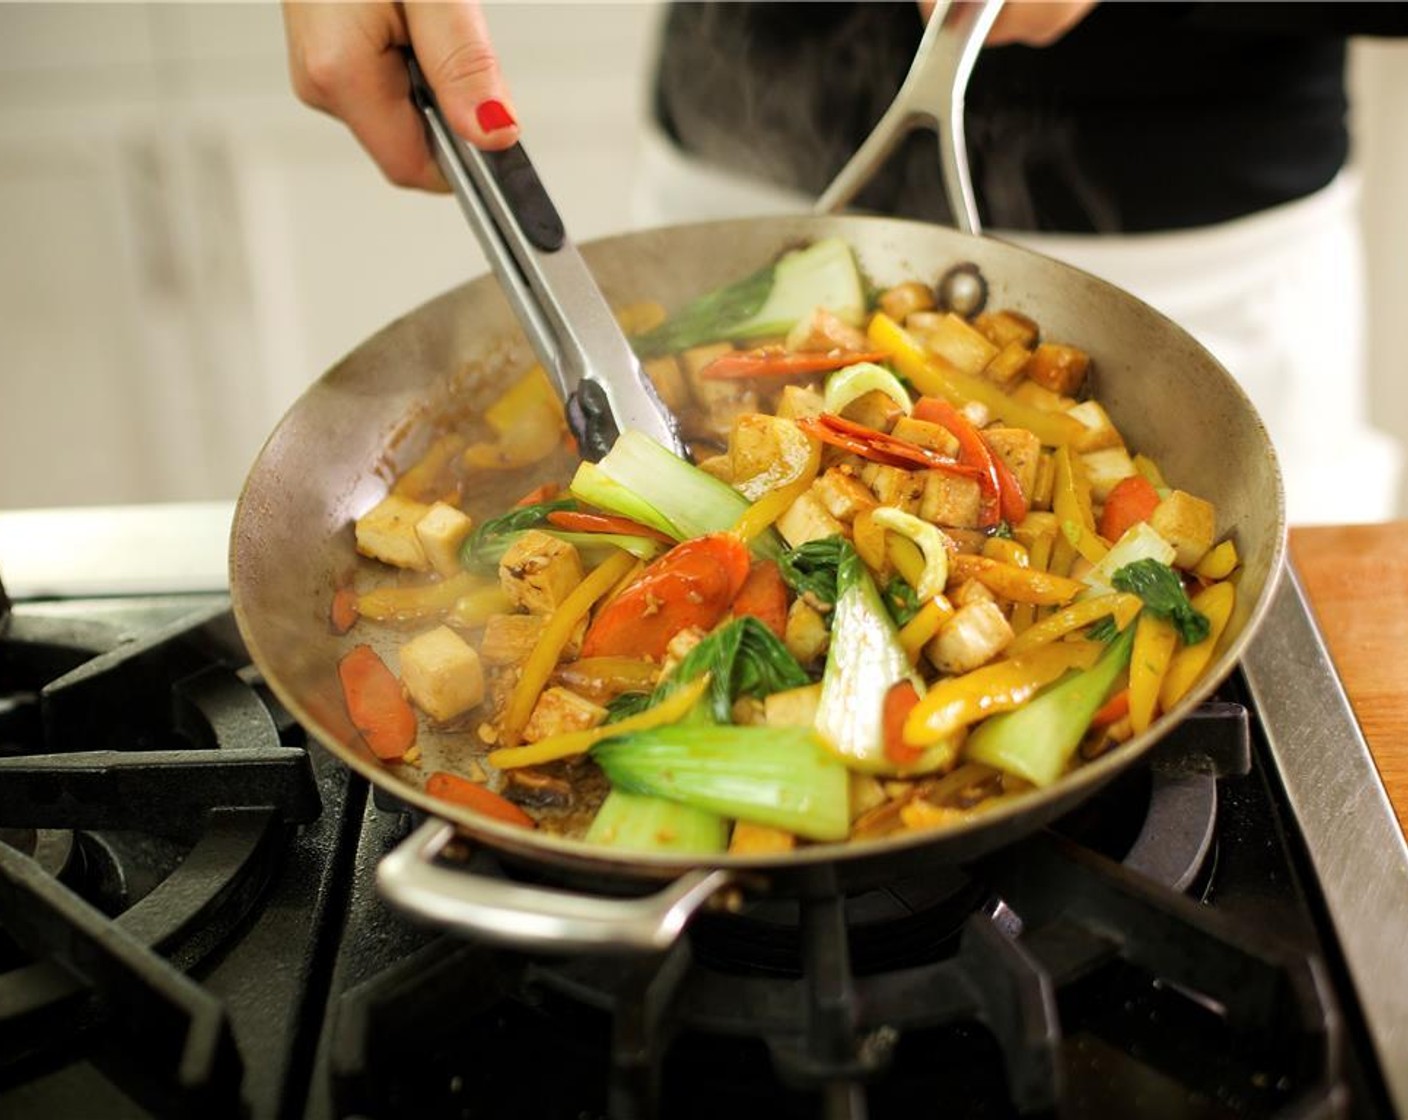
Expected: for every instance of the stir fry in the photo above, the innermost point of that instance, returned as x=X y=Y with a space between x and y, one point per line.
x=914 y=571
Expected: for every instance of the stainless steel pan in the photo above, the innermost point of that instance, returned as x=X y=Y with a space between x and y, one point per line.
x=334 y=454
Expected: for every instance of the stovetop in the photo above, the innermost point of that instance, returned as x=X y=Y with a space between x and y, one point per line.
x=189 y=922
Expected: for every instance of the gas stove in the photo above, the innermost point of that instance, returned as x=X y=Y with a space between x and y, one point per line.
x=189 y=922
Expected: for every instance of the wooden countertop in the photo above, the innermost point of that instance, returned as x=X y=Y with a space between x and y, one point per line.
x=1356 y=578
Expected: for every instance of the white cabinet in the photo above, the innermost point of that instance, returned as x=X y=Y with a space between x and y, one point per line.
x=185 y=247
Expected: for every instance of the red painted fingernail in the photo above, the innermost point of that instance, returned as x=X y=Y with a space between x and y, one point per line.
x=493 y=115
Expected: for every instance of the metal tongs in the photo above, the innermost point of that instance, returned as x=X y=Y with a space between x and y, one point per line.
x=563 y=312
x=932 y=96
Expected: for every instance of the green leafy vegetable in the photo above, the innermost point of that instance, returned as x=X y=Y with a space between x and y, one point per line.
x=627 y=704
x=901 y=600
x=638 y=823
x=745 y=658
x=767 y=303
x=482 y=545
x=1103 y=631
x=1162 y=591
x=779 y=776
x=1037 y=741
x=811 y=567
x=1003 y=531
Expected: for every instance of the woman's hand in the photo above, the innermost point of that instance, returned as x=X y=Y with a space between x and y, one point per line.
x=346 y=60
x=1036 y=23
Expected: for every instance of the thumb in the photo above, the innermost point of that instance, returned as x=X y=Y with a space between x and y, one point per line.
x=452 y=44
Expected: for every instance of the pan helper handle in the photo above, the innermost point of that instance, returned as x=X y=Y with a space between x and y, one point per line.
x=535 y=918
x=548 y=285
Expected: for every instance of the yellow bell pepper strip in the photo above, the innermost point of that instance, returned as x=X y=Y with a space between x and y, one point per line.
x=1215 y=602
x=1037 y=740
x=422 y=482
x=919 y=630
x=1021 y=585
x=406 y=604
x=1037 y=523
x=1063 y=556
x=751 y=839
x=957 y=702
x=1045 y=481
x=1121 y=606
x=1154 y=642
x=904 y=556
x=1070 y=500
x=474 y=609
x=1146 y=466
x=1007 y=552
x=935 y=378
x=872 y=542
x=528 y=421
x=1220 y=562
x=541 y=662
x=672 y=709
x=761 y=514
x=933 y=577
x=1038 y=559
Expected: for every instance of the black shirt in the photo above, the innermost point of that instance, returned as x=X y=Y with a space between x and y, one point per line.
x=1143 y=117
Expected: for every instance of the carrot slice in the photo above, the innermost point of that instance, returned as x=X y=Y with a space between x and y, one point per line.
x=1114 y=709
x=764 y=596
x=900 y=700
x=461 y=791
x=343 y=613
x=544 y=493
x=378 y=708
x=579 y=521
x=691 y=585
x=1132 y=500
x=773 y=361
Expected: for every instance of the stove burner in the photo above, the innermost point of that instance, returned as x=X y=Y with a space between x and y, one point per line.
x=141 y=825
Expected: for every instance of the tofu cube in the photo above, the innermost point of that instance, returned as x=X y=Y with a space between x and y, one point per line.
x=722 y=400
x=951 y=338
x=764 y=452
x=843 y=495
x=971 y=591
x=1021 y=451
x=805 y=636
x=967 y=541
x=1003 y=328
x=823 y=331
x=1058 y=368
x=794 y=707
x=806 y=519
x=1100 y=432
x=875 y=410
x=387 y=532
x=669 y=381
x=441 y=532
x=926 y=434
x=1006 y=368
x=539 y=571
x=976 y=634
x=797 y=401
x=509 y=638
x=895 y=486
x=720 y=466
x=1187 y=523
x=442 y=673
x=558 y=711
x=951 y=501
x=696 y=359
x=903 y=300
x=1105 y=468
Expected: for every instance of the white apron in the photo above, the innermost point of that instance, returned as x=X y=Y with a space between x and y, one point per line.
x=1277 y=297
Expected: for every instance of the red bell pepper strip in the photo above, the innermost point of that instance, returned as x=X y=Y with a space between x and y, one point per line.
x=879 y=447
x=691 y=585
x=461 y=791
x=773 y=361
x=1002 y=493
x=578 y=521
x=1114 y=710
x=899 y=702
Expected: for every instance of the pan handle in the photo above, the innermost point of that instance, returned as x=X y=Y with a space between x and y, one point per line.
x=932 y=96
x=535 y=918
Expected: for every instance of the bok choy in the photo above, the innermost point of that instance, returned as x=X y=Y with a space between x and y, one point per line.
x=778 y=776
x=635 y=822
x=768 y=303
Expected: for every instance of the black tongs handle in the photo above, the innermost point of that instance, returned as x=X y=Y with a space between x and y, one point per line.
x=549 y=287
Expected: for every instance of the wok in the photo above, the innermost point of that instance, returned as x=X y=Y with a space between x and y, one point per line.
x=335 y=453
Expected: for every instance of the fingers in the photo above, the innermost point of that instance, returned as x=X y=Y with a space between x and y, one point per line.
x=452 y=43
x=1036 y=23
x=345 y=59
